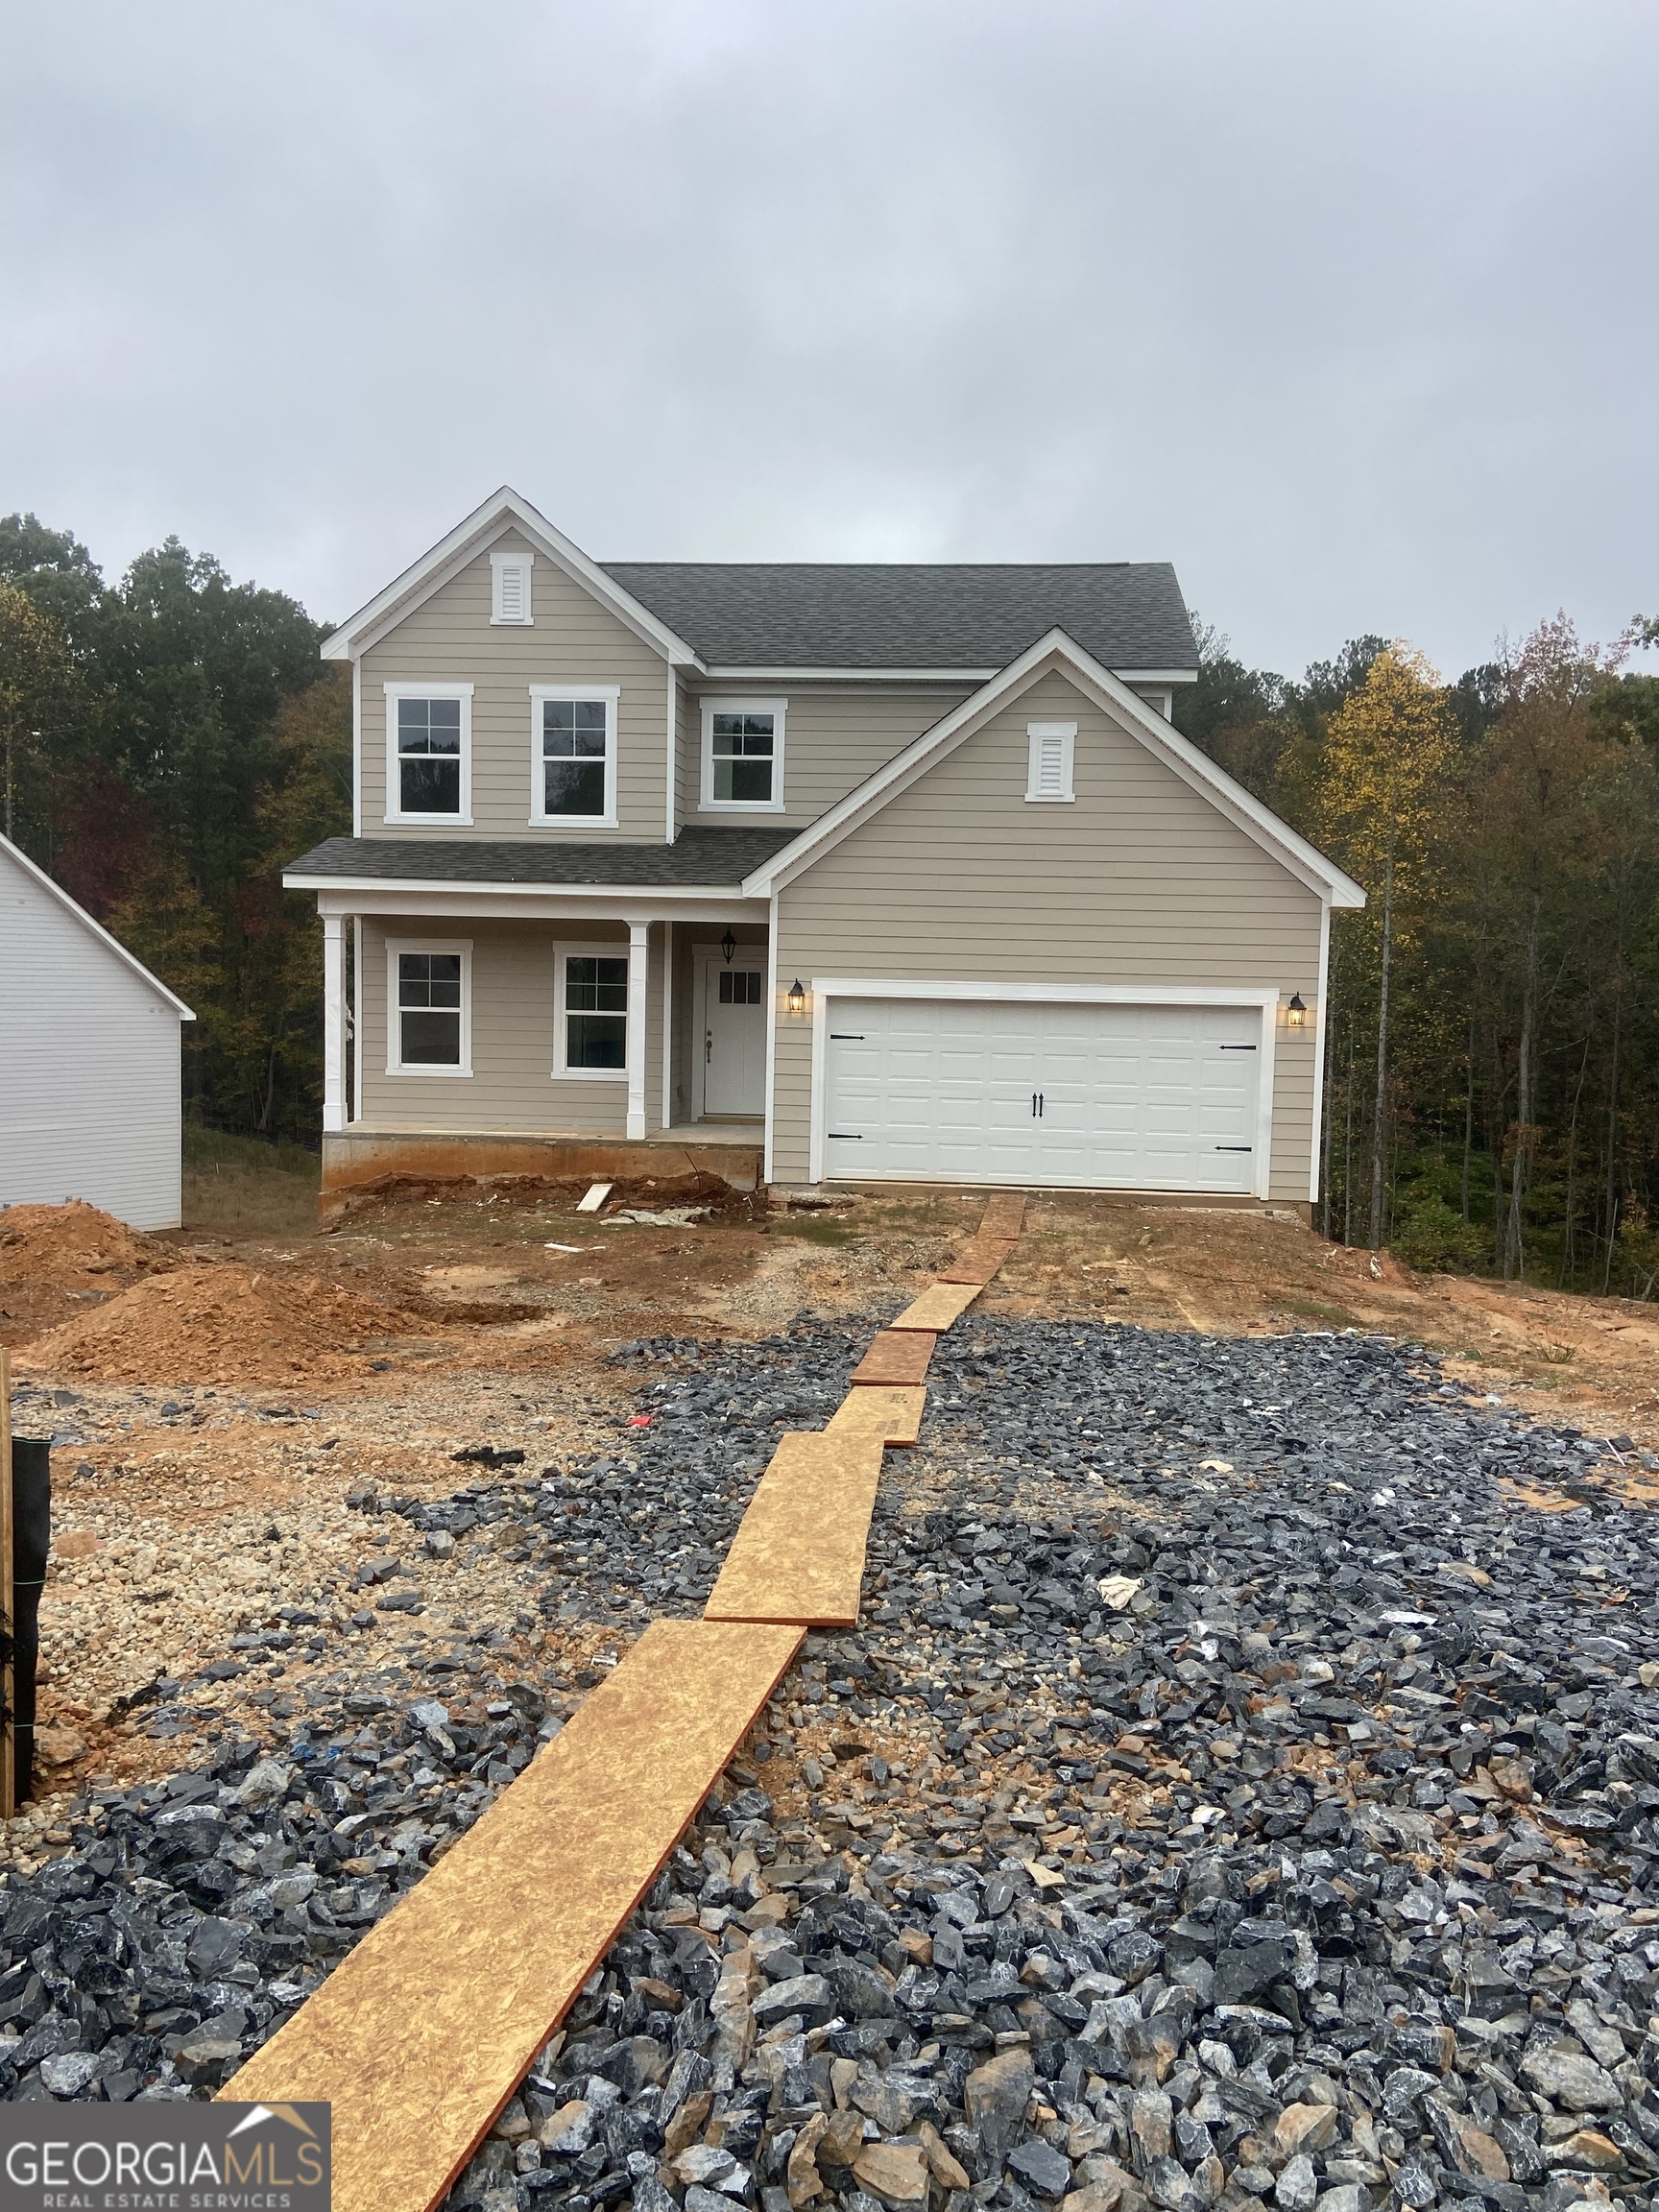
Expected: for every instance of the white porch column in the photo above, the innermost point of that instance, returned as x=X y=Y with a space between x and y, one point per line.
x=636 y=937
x=333 y=1023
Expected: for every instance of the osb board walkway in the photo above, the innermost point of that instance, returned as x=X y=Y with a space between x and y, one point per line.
x=893 y=1415
x=940 y=1305
x=799 y=1553
x=978 y=1260
x=418 y=2037
x=896 y=1358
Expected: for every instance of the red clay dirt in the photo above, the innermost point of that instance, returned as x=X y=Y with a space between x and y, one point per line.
x=222 y=1323
x=55 y=1260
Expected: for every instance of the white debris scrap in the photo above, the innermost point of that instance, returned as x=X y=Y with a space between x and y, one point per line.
x=1117 y=1589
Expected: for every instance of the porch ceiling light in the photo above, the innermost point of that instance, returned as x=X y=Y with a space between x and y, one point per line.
x=796 y=996
x=1296 y=1013
x=728 y=946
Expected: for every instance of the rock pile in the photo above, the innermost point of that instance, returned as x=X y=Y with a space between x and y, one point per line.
x=1240 y=1794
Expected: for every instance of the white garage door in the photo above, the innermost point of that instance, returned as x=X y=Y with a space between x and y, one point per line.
x=1126 y=1097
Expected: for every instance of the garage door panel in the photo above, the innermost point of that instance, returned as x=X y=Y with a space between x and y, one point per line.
x=1138 y=1098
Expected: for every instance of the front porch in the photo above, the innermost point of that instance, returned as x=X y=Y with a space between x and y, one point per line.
x=471 y=1035
x=358 y=1162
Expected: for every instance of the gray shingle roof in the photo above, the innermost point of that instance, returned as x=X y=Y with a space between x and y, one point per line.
x=903 y=615
x=717 y=858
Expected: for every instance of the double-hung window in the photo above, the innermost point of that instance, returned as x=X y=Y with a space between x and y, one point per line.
x=429 y=1007
x=593 y=1010
x=744 y=756
x=574 y=756
x=429 y=753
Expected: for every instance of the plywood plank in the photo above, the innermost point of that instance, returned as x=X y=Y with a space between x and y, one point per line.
x=978 y=1260
x=895 y=1416
x=798 y=1551
x=418 y=2037
x=1004 y=1215
x=896 y=1358
x=938 y=1307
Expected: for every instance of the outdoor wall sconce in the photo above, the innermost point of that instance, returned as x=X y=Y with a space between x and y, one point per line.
x=728 y=946
x=796 y=996
x=1296 y=1013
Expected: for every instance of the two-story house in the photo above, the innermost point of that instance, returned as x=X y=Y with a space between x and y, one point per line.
x=815 y=872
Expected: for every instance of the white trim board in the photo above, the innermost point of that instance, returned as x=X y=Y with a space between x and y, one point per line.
x=1113 y=697
x=505 y=509
x=824 y=988
x=95 y=928
x=600 y=901
x=737 y=673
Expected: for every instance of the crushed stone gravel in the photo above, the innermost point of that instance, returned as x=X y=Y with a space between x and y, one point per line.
x=1244 y=1789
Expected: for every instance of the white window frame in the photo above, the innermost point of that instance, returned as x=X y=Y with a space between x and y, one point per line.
x=605 y=948
x=777 y=708
x=395 y=946
x=394 y=779
x=610 y=695
x=1036 y=734
x=501 y=560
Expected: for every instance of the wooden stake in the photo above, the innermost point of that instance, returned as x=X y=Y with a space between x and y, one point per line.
x=7 y=1595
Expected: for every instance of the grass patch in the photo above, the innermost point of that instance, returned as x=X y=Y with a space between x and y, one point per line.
x=812 y=1231
x=1337 y=1315
x=240 y=1186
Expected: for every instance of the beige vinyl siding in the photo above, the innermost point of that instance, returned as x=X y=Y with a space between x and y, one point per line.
x=833 y=739
x=687 y=755
x=512 y=1085
x=1139 y=880
x=448 y=638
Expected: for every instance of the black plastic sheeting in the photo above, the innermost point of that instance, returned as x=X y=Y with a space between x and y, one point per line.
x=30 y=1540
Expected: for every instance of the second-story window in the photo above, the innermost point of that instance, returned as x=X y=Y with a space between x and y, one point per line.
x=574 y=765
x=428 y=766
x=744 y=754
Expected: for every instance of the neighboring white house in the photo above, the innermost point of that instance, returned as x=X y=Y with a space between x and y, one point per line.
x=89 y=1099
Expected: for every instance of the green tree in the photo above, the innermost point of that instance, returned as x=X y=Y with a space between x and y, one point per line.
x=1383 y=772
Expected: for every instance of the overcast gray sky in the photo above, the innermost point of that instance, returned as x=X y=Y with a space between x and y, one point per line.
x=1349 y=310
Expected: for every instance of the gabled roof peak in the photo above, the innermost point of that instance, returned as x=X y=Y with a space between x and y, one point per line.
x=964 y=618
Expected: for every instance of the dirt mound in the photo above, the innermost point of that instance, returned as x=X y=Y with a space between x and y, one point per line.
x=222 y=1324
x=56 y=1260
x=70 y=1244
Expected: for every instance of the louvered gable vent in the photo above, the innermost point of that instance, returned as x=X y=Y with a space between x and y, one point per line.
x=510 y=586
x=1050 y=773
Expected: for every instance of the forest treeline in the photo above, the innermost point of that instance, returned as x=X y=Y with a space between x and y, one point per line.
x=167 y=743
x=1492 y=1033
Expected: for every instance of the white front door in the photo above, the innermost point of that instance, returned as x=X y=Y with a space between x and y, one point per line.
x=1097 y=1098
x=734 y=1036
